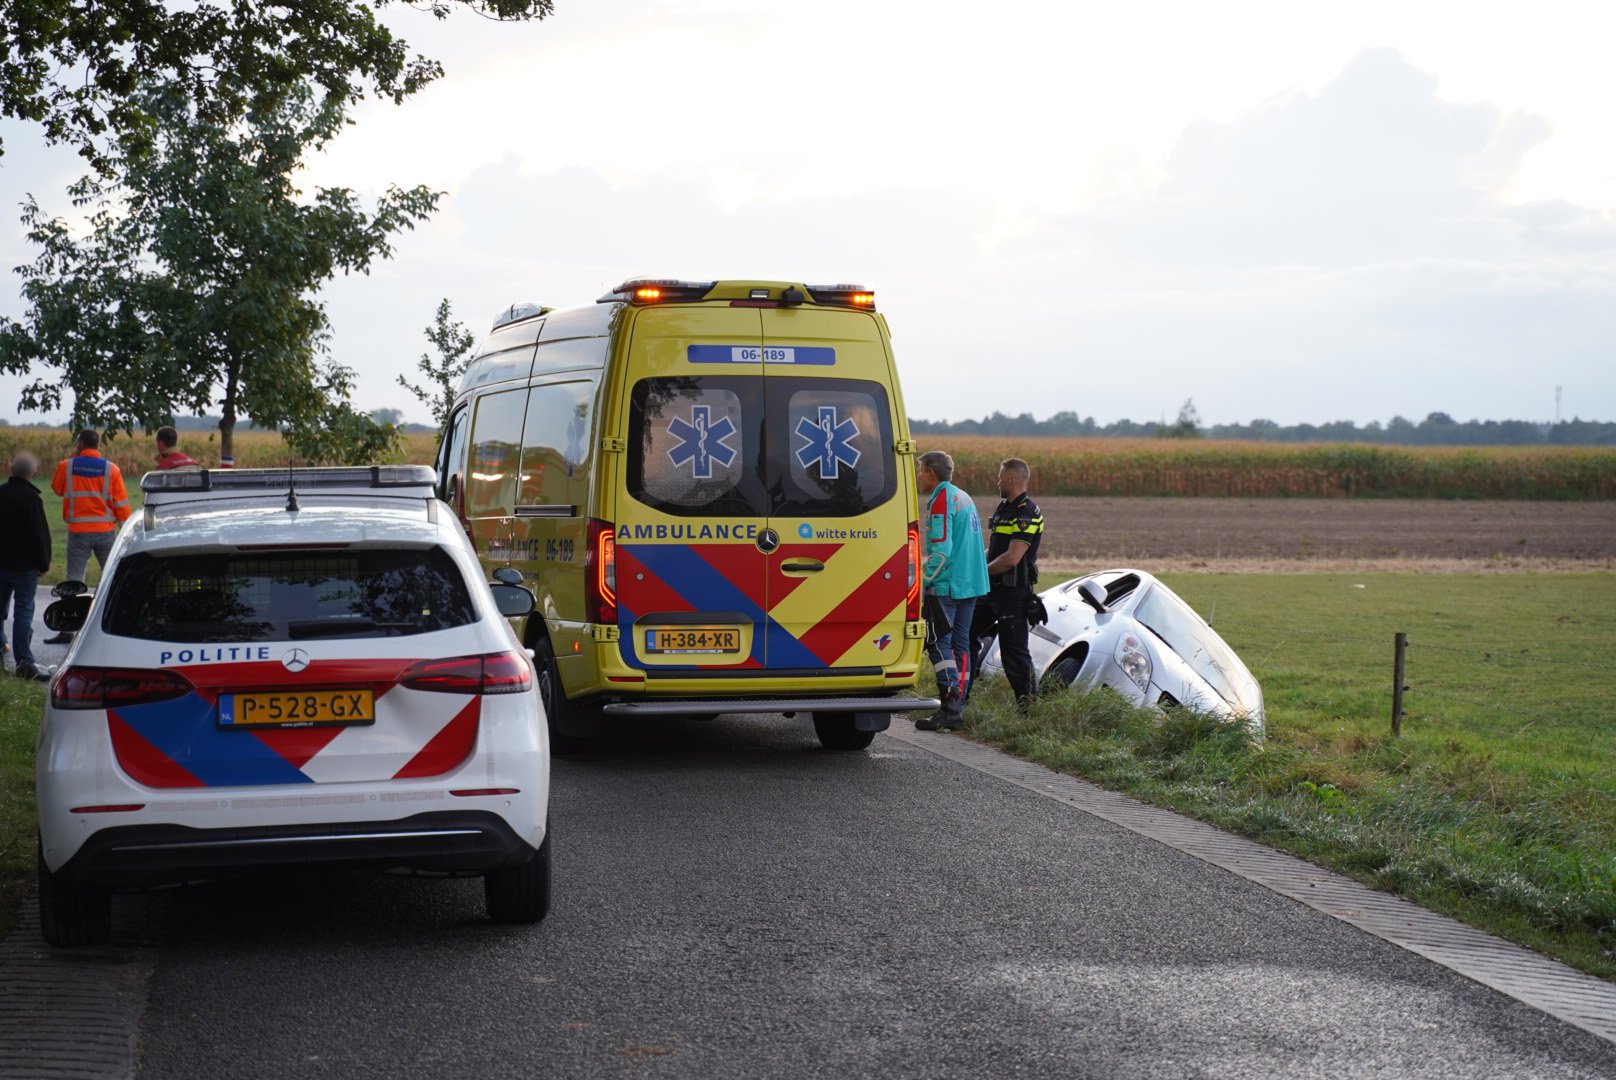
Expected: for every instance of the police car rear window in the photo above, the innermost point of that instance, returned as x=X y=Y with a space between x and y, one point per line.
x=738 y=446
x=287 y=595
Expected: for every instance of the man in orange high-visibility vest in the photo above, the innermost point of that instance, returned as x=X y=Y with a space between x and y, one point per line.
x=93 y=503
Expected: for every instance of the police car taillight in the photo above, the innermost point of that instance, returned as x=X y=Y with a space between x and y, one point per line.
x=911 y=601
x=600 y=573
x=113 y=688
x=490 y=673
x=853 y=296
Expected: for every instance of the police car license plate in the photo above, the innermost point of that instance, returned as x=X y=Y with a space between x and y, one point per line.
x=693 y=639
x=288 y=708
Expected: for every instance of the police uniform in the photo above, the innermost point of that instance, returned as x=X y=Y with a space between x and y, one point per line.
x=1009 y=593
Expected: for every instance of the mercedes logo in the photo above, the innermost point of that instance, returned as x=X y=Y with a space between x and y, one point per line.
x=768 y=540
x=295 y=660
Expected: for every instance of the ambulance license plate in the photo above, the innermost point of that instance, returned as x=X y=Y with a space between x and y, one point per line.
x=694 y=639
x=297 y=708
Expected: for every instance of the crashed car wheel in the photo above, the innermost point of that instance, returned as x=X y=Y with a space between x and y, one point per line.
x=72 y=914
x=1062 y=673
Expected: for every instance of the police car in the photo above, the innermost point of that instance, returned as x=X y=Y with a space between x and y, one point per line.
x=290 y=669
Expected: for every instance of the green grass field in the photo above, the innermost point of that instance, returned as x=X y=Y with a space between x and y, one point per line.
x=1495 y=805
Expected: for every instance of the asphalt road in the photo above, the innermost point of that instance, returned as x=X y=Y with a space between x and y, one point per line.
x=732 y=901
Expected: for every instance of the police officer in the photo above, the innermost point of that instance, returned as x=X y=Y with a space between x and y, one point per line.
x=1014 y=532
x=94 y=502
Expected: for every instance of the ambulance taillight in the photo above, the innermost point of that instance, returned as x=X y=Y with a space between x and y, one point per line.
x=911 y=610
x=600 y=573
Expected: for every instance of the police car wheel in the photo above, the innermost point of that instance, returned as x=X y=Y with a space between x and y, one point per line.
x=71 y=914
x=836 y=731
x=520 y=893
x=557 y=708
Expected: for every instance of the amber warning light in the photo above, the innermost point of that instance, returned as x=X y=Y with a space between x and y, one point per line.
x=854 y=296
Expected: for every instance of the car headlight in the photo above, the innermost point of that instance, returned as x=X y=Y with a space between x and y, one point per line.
x=1134 y=660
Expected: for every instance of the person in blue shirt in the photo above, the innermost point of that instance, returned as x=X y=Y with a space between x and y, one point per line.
x=956 y=574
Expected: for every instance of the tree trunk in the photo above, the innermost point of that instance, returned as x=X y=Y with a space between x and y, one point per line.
x=227 y=428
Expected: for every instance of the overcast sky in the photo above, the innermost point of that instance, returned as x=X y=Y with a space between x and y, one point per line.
x=1302 y=212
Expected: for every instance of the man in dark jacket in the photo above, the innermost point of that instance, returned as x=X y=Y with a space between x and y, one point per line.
x=25 y=552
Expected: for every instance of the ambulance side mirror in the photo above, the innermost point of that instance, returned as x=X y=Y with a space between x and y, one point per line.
x=513 y=601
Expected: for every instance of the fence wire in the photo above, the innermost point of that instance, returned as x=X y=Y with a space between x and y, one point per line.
x=1419 y=690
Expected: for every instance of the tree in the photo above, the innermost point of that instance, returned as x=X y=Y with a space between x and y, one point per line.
x=337 y=433
x=74 y=66
x=1187 y=426
x=454 y=344
x=197 y=279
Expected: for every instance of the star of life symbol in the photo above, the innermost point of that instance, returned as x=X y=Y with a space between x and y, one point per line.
x=828 y=442
x=295 y=660
x=701 y=441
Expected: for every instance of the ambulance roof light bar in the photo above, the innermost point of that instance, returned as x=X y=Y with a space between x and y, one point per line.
x=853 y=296
x=657 y=291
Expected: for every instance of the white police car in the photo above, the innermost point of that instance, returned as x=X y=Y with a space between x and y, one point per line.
x=290 y=668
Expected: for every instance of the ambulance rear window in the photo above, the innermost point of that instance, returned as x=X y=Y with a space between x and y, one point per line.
x=750 y=446
x=288 y=595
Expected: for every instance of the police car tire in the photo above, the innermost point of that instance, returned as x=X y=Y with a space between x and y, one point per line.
x=520 y=893
x=556 y=703
x=70 y=914
x=836 y=731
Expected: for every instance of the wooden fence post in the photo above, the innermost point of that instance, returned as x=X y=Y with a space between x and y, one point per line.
x=1399 y=647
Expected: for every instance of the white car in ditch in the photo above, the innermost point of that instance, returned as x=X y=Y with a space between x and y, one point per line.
x=1125 y=630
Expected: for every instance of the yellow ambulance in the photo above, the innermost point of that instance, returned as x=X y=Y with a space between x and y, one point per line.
x=710 y=488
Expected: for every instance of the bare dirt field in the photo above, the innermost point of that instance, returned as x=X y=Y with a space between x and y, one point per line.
x=1323 y=534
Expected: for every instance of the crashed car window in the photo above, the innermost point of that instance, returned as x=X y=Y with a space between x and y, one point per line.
x=1166 y=616
x=287 y=595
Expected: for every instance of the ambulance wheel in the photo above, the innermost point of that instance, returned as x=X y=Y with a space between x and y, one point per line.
x=520 y=893
x=72 y=914
x=559 y=713
x=836 y=732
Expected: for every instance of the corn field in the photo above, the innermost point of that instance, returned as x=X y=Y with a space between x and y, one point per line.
x=1100 y=466
x=137 y=454
x=1111 y=466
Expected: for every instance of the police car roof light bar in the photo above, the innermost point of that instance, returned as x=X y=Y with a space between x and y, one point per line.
x=246 y=481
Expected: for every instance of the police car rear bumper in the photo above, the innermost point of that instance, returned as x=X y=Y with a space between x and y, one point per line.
x=146 y=856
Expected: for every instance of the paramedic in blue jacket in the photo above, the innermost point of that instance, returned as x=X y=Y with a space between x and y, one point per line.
x=956 y=574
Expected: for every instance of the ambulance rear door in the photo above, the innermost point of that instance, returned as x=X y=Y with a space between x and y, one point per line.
x=838 y=583
x=691 y=578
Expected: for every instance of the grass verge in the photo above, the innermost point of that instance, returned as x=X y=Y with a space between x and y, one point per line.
x=20 y=706
x=1494 y=807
